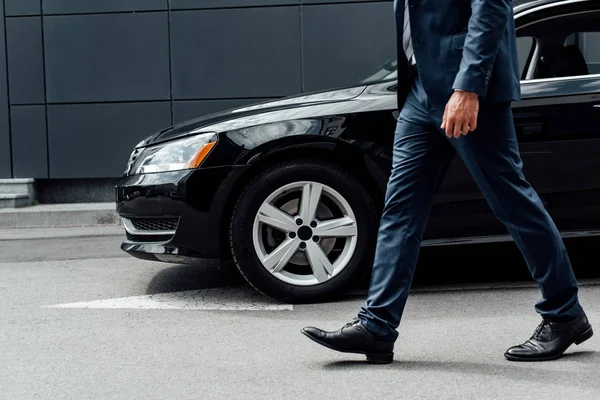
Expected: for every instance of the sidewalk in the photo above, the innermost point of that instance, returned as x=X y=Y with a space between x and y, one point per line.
x=52 y=233
x=60 y=216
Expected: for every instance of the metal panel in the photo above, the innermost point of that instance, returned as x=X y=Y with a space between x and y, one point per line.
x=5 y=156
x=95 y=140
x=250 y=52
x=30 y=157
x=185 y=110
x=25 y=60
x=97 y=6
x=198 y=4
x=22 y=7
x=111 y=57
x=337 y=57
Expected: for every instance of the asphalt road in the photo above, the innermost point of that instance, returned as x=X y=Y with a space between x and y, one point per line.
x=79 y=320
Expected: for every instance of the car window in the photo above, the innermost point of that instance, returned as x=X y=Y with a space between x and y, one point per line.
x=565 y=46
x=573 y=56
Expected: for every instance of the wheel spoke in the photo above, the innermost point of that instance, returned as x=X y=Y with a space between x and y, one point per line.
x=278 y=258
x=320 y=264
x=339 y=227
x=311 y=195
x=276 y=218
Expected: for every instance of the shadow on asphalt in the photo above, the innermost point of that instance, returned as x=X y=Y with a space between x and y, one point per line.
x=468 y=264
x=497 y=262
x=206 y=275
x=592 y=357
x=527 y=372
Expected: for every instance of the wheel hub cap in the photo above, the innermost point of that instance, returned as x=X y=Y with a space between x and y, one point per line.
x=305 y=233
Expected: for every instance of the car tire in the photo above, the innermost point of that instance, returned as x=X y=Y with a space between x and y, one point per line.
x=342 y=199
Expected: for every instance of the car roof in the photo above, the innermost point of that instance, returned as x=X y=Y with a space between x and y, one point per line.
x=524 y=5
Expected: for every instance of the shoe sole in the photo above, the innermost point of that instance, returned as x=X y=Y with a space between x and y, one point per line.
x=372 y=358
x=588 y=333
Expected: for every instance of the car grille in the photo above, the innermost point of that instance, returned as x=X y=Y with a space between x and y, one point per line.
x=155 y=224
x=148 y=238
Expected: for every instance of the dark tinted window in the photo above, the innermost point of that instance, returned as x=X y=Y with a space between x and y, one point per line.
x=568 y=45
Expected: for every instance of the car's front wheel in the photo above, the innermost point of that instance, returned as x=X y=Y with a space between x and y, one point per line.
x=303 y=231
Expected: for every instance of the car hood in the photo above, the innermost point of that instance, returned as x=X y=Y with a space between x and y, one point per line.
x=251 y=115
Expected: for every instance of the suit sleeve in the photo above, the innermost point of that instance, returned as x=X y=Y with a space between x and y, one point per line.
x=487 y=25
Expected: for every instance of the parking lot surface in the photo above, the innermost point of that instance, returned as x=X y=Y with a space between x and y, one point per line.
x=81 y=320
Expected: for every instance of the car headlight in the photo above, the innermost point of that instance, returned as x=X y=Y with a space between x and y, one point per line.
x=177 y=155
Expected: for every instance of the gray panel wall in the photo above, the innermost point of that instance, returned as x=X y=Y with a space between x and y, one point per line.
x=82 y=81
x=5 y=142
x=236 y=53
x=29 y=136
x=107 y=57
x=343 y=42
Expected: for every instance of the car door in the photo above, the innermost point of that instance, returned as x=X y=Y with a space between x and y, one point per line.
x=459 y=210
x=558 y=121
x=558 y=117
x=558 y=127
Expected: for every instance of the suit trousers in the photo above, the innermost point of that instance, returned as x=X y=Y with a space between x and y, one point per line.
x=421 y=156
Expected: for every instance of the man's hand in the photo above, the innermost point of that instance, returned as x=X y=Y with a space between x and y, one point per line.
x=460 y=115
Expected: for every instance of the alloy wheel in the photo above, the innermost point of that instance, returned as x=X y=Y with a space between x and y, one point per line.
x=305 y=233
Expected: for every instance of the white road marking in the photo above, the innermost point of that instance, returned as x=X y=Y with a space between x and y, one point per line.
x=222 y=299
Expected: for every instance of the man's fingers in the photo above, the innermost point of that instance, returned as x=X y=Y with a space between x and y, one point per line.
x=449 y=126
x=473 y=123
x=458 y=128
x=460 y=116
x=444 y=118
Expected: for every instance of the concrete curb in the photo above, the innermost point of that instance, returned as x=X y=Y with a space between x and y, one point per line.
x=60 y=216
x=60 y=233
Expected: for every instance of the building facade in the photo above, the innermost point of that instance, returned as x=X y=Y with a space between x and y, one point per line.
x=83 y=81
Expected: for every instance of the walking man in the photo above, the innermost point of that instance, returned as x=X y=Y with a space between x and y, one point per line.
x=458 y=73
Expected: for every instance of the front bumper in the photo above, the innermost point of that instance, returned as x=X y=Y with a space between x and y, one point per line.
x=175 y=216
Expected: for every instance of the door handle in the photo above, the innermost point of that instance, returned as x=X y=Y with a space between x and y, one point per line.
x=597 y=106
x=531 y=129
x=529 y=123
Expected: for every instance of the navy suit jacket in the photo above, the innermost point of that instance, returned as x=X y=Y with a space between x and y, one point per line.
x=460 y=44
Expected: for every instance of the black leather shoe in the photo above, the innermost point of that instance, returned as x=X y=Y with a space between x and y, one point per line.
x=551 y=339
x=354 y=338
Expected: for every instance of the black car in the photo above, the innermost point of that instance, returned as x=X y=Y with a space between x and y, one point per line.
x=291 y=190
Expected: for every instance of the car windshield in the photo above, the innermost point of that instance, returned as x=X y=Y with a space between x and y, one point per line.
x=386 y=71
